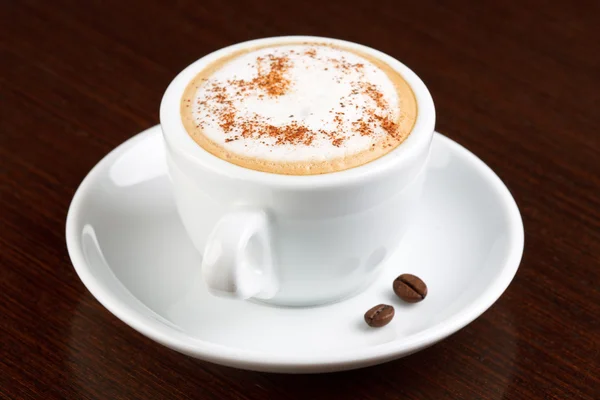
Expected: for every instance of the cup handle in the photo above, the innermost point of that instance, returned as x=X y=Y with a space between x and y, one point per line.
x=238 y=258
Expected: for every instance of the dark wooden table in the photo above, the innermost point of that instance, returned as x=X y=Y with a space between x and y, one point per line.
x=518 y=83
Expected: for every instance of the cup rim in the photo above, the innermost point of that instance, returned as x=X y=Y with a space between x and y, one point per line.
x=180 y=144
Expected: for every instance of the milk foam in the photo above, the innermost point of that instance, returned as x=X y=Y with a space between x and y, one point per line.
x=325 y=94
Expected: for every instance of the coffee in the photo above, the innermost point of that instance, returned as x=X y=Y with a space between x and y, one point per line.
x=298 y=109
x=410 y=288
x=379 y=316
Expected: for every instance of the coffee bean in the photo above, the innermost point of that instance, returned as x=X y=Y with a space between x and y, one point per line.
x=379 y=316
x=410 y=288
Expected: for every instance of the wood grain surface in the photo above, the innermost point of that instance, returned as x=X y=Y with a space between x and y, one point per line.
x=518 y=83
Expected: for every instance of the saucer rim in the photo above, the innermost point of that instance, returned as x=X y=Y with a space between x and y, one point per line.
x=341 y=360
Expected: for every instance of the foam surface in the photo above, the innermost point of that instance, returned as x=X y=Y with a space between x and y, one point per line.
x=316 y=102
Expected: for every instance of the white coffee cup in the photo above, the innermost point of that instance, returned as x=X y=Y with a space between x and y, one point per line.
x=294 y=240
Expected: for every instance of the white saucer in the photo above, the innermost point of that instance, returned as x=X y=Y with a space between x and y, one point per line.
x=130 y=250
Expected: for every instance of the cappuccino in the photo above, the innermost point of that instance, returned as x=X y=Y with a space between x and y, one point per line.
x=298 y=109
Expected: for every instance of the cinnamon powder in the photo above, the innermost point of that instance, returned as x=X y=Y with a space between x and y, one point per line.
x=272 y=80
